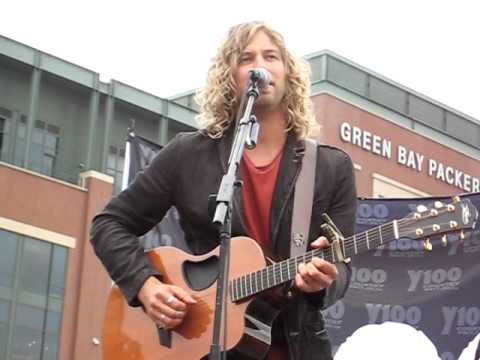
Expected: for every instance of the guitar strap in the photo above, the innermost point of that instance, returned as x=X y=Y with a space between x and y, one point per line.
x=303 y=200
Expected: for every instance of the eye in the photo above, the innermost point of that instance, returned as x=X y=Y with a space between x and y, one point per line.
x=272 y=56
x=244 y=59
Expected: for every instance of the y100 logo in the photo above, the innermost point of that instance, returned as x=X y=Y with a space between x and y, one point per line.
x=411 y=315
x=336 y=311
x=466 y=319
x=402 y=245
x=470 y=245
x=368 y=279
x=438 y=279
x=334 y=315
x=365 y=275
x=379 y=211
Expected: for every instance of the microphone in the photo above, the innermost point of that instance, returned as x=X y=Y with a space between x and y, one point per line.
x=260 y=76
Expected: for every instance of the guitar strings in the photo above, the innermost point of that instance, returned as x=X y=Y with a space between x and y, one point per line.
x=281 y=272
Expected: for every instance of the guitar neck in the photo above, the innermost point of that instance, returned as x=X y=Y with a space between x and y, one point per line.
x=283 y=271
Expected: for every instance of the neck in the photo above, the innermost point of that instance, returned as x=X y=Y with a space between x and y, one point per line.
x=271 y=138
x=272 y=128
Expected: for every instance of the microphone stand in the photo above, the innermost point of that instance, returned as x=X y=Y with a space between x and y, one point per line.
x=246 y=135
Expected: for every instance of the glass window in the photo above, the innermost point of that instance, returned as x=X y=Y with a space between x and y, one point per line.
x=57 y=279
x=32 y=282
x=3 y=138
x=19 y=154
x=35 y=271
x=44 y=147
x=8 y=250
x=115 y=161
x=4 y=325
x=50 y=345
x=28 y=332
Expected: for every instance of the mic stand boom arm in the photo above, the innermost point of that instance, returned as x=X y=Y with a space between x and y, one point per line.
x=245 y=135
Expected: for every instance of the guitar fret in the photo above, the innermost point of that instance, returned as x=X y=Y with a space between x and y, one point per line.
x=250 y=283
x=281 y=271
x=355 y=245
x=380 y=231
x=274 y=271
x=244 y=286
x=239 y=290
x=261 y=278
x=235 y=288
x=267 y=275
x=275 y=274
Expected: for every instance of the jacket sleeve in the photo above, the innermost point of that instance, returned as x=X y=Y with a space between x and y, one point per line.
x=114 y=232
x=342 y=211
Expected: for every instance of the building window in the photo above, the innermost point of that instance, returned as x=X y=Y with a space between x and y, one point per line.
x=32 y=278
x=115 y=163
x=4 y=130
x=21 y=134
x=44 y=149
x=384 y=187
x=5 y=134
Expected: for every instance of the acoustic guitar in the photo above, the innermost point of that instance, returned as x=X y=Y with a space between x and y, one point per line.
x=251 y=305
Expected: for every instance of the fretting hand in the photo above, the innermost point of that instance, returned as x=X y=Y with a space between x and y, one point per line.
x=318 y=274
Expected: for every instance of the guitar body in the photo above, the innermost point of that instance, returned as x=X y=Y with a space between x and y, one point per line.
x=128 y=333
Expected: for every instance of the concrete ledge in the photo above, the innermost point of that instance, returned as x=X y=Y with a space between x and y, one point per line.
x=97 y=175
x=37 y=233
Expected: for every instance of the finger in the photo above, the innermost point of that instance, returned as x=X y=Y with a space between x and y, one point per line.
x=325 y=267
x=301 y=284
x=171 y=301
x=316 y=279
x=165 y=321
x=183 y=295
x=171 y=312
x=302 y=270
x=320 y=243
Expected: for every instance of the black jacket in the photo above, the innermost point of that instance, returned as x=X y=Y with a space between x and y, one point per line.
x=183 y=174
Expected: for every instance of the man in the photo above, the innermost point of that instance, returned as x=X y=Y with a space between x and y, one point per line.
x=190 y=168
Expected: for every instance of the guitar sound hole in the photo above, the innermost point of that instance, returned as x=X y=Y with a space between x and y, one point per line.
x=201 y=275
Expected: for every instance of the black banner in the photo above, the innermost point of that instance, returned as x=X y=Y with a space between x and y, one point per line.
x=434 y=292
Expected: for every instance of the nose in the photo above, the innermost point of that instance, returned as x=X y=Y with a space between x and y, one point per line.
x=259 y=62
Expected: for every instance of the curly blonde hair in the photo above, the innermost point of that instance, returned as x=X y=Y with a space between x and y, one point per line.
x=218 y=100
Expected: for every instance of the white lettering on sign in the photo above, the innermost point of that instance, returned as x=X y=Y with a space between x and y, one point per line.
x=453 y=176
x=414 y=160
x=409 y=158
x=366 y=140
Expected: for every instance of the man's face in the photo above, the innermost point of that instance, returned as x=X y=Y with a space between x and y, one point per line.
x=261 y=52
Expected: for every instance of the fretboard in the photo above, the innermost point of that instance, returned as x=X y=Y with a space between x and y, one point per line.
x=283 y=271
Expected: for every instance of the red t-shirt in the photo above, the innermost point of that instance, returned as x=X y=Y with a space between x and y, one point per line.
x=257 y=193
